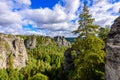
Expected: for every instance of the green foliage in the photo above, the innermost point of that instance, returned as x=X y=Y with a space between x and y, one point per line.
x=46 y=61
x=103 y=32
x=6 y=46
x=46 y=58
x=10 y=75
x=89 y=65
x=86 y=26
x=1 y=42
x=9 y=35
x=3 y=74
x=39 y=76
x=44 y=41
x=10 y=63
x=73 y=54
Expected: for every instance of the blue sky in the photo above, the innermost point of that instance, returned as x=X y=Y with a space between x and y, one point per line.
x=52 y=17
x=43 y=3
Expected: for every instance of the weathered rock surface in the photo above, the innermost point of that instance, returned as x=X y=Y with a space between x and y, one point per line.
x=11 y=45
x=30 y=42
x=61 y=41
x=112 y=66
x=68 y=61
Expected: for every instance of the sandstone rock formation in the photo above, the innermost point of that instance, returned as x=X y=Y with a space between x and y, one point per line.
x=11 y=45
x=61 y=41
x=112 y=66
x=30 y=42
x=45 y=41
x=68 y=61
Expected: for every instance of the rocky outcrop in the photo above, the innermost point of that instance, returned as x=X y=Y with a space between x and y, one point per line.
x=112 y=66
x=61 y=41
x=30 y=43
x=11 y=45
x=68 y=61
x=46 y=41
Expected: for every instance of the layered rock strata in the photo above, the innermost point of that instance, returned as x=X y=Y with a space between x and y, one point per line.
x=12 y=48
x=112 y=66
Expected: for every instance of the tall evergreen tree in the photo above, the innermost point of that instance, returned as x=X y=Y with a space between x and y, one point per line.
x=86 y=26
x=89 y=62
x=103 y=32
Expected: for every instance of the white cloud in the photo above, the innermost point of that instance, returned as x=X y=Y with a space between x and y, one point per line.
x=60 y=33
x=46 y=15
x=10 y=21
x=56 y=19
x=103 y=10
x=15 y=14
x=61 y=26
x=116 y=7
x=7 y=17
x=22 y=2
x=72 y=6
x=52 y=22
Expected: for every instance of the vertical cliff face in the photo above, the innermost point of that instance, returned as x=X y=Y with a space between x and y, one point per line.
x=30 y=42
x=11 y=45
x=112 y=66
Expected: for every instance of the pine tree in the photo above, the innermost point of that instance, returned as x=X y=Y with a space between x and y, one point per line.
x=86 y=26
x=89 y=63
x=103 y=32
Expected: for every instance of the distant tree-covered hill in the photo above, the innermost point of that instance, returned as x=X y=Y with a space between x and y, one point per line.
x=70 y=39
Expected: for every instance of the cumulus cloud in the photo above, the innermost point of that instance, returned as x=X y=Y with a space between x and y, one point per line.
x=104 y=12
x=7 y=17
x=15 y=14
x=23 y=2
x=72 y=6
x=46 y=15
x=56 y=19
x=60 y=20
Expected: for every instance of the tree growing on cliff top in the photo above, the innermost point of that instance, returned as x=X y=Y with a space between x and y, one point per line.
x=103 y=32
x=89 y=64
x=86 y=26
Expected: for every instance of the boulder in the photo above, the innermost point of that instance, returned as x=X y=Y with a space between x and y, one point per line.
x=112 y=66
